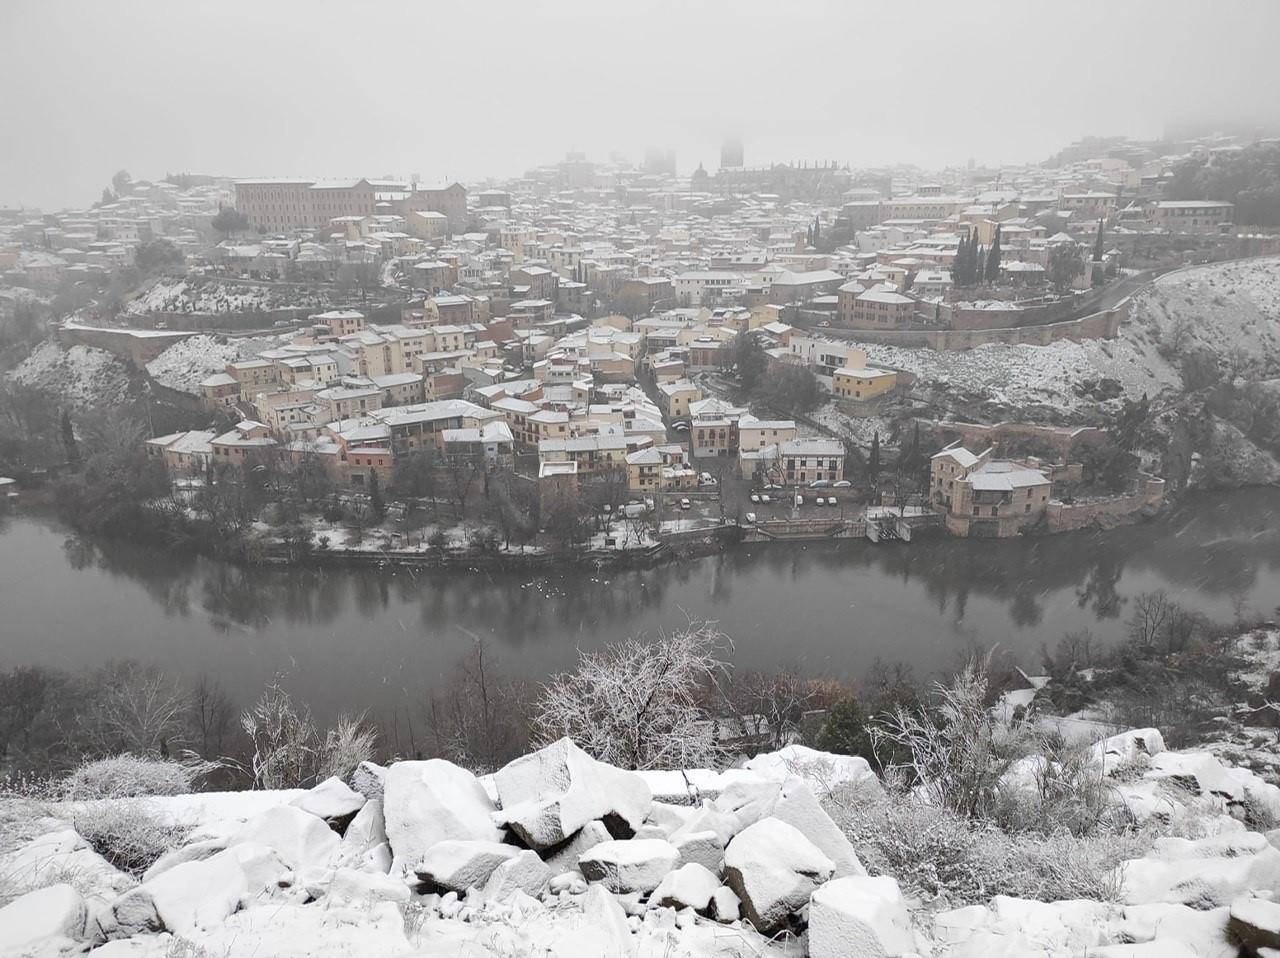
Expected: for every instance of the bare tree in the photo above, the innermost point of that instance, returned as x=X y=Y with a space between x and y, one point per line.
x=638 y=704
x=136 y=709
x=481 y=719
x=213 y=715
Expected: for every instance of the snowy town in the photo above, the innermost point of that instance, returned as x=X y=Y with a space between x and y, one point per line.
x=605 y=357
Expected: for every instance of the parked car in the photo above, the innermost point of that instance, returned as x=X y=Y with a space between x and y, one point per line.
x=750 y=517
x=831 y=501
x=706 y=479
x=773 y=488
x=765 y=497
x=680 y=426
x=819 y=483
x=820 y=501
x=799 y=499
x=685 y=504
x=842 y=484
x=755 y=497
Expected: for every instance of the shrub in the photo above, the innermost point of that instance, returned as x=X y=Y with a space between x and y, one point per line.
x=288 y=751
x=131 y=776
x=129 y=833
x=345 y=746
x=938 y=854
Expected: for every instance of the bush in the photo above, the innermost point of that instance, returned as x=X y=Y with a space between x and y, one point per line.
x=131 y=776
x=937 y=854
x=129 y=833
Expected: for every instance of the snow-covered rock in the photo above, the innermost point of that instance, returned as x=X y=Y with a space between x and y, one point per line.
x=708 y=818
x=186 y=899
x=1202 y=873
x=368 y=779
x=1125 y=748
x=1203 y=773
x=332 y=800
x=823 y=772
x=461 y=864
x=689 y=886
x=747 y=800
x=433 y=801
x=48 y=857
x=797 y=806
x=667 y=816
x=524 y=872
x=774 y=869
x=725 y=905
x=704 y=848
x=351 y=887
x=548 y=795
x=192 y=852
x=1255 y=923
x=52 y=916
x=301 y=839
x=1205 y=932
x=587 y=837
x=366 y=834
x=859 y=917
x=605 y=916
x=629 y=866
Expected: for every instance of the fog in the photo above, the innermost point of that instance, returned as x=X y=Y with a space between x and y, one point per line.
x=299 y=87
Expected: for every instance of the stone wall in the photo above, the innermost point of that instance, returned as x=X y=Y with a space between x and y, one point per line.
x=130 y=345
x=1103 y=325
x=1115 y=510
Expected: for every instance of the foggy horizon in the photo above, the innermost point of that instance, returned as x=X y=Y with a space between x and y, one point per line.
x=342 y=92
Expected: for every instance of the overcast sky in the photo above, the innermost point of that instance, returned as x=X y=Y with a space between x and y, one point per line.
x=468 y=90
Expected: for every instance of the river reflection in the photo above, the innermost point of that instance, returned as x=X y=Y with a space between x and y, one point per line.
x=352 y=638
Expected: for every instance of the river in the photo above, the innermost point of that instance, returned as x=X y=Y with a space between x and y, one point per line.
x=373 y=639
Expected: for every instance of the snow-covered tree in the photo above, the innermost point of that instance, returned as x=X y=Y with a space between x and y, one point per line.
x=638 y=704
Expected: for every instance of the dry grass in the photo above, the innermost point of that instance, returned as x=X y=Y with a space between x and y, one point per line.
x=128 y=832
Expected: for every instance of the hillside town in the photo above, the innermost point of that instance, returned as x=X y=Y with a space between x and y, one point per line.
x=612 y=356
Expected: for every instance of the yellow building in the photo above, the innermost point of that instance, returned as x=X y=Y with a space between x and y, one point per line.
x=862 y=384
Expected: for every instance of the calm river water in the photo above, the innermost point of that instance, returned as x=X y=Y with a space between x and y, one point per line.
x=357 y=639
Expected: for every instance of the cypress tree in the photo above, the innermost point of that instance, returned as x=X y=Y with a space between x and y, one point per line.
x=1097 y=243
x=377 y=507
x=993 y=258
x=873 y=461
x=979 y=257
x=69 y=446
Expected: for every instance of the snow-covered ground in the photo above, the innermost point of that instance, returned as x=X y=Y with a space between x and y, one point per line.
x=215 y=296
x=84 y=377
x=424 y=858
x=184 y=364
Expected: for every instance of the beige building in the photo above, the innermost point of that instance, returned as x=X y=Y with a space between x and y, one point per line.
x=987 y=497
x=862 y=384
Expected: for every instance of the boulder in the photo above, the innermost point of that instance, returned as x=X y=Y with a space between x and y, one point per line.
x=54 y=915
x=300 y=838
x=549 y=794
x=353 y=888
x=367 y=831
x=704 y=848
x=609 y=934
x=47 y=858
x=774 y=869
x=194 y=852
x=689 y=886
x=823 y=772
x=669 y=817
x=433 y=801
x=624 y=867
x=725 y=905
x=747 y=800
x=185 y=899
x=584 y=839
x=1202 y=773
x=368 y=779
x=708 y=818
x=797 y=806
x=1203 y=873
x=332 y=800
x=1255 y=923
x=859 y=917
x=525 y=873
x=456 y=865
x=1124 y=748
x=1205 y=932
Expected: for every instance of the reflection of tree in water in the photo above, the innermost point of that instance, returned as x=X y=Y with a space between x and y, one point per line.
x=237 y=596
x=167 y=579
x=1099 y=593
